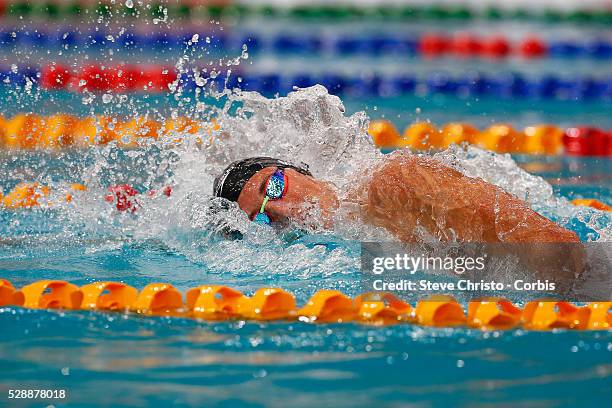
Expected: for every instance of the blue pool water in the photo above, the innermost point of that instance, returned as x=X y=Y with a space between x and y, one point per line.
x=117 y=360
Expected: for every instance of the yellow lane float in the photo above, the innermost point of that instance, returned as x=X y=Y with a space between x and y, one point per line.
x=29 y=131
x=457 y=133
x=423 y=136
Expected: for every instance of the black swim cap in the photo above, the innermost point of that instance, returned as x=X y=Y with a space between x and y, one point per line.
x=230 y=183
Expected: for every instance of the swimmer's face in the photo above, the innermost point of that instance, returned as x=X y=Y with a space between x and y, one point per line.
x=306 y=200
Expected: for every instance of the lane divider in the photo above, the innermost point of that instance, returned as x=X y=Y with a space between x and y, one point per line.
x=123 y=79
x=185 y=10
x=217 y=303
x=429 y=44
x=501 y=138
x=60 y=131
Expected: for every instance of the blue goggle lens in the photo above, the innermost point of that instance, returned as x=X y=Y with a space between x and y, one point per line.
x=276 y=185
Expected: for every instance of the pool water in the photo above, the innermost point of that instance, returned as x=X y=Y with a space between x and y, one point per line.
x=107 y=359
x=110 y=359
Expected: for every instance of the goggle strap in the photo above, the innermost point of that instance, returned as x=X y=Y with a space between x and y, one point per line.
x=263 y=204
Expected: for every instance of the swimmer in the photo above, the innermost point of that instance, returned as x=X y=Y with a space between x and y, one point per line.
x=414 y=198
x=406 y=194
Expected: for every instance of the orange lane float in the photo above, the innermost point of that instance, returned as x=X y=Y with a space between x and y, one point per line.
x=31 y=131
x=550 y=314
x=493 y=313
x=423 y=136
x=382 y=309
x=108 y=296
x=269 y=304
x=216 y=303
x=589 y=202
x=439 y=311
x=502 y=138
x=159 y=299
x=457 y=133
x=49 y=294
x=25 y=195
x=600 y=315
x=6 y=293
x=328 y=306
x=384 y=134
x=213 y=302
x=543 y=139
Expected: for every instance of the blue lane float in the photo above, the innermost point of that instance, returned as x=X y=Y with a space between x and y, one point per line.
x=283 y=43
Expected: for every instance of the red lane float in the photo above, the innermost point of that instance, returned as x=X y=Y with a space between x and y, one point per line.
x=100 y=78
x=532 y=47
x=469 y=45
x=587 y=141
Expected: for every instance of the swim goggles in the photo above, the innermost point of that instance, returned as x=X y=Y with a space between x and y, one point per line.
x=276 y=187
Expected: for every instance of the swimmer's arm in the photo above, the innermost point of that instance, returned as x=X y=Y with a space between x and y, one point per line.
x=410 y=194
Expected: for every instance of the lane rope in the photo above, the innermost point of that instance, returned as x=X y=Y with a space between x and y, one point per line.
x=459 y=44
x=314 y=12
x=61 y=131
x=217 y=303
x=541 y=139
x=133 y=78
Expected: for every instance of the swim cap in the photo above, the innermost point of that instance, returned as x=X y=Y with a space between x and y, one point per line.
x=230 y=183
